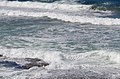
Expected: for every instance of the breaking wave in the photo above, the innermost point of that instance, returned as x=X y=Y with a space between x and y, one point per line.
x=72 y=50
x=66 y=60
x=66 y=12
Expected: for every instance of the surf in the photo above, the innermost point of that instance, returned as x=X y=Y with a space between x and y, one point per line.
x=65 y=12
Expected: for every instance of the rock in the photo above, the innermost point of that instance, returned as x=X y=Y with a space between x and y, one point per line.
x=34 y=62
x=22 y=63
x=33 y=59
x=10 y=64
x=1 y=55
x=29 y=65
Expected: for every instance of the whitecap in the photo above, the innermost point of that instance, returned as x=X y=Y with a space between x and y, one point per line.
x=66 y=12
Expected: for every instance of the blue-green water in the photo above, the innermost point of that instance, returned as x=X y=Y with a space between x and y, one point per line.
x=73 y=50
x=86 y=50
x=49 y=34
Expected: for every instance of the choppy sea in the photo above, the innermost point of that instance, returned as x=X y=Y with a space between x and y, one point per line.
x=80 y=39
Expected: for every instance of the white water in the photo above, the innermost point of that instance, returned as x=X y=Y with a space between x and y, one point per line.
x=94 y=57
x=94 y=62
x=99 y=63
x=65 y=12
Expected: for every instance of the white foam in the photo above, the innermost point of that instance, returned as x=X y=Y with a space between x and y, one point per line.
x=99 y=55
x=99 y=62
x=48 y=6
x=64 y=60
x=65 y=12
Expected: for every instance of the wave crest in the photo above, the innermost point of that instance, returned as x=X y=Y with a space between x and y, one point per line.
x=65 y=12
x=56 y=58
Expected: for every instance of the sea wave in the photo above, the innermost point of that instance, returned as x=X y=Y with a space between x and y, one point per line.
x=90 y=64
x=66 y=60
x=94 y=64
x=65 y=12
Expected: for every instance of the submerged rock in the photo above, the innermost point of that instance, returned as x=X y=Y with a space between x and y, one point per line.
x=22 y=63
x=7 y=63
x=34 y=62
x=33 y=59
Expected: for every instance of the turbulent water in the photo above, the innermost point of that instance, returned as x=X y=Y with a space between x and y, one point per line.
x=76 y=38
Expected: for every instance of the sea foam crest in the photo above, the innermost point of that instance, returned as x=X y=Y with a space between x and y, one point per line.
x=48 y=6
x=98 y=55
x=63 y=60
x=65 y=12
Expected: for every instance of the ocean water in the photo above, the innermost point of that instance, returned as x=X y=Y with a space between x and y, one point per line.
x=77 y=39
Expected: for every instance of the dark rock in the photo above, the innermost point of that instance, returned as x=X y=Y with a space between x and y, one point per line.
x=33 y=59
x=1 y=55
x=22 y=63
x=9 y=64
x=32 y=64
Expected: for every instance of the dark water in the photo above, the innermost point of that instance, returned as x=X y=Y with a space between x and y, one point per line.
x=51 y=34
x=105 y=5
x=99 y=1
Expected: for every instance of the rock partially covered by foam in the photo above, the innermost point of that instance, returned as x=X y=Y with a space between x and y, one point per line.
x=22 y=63
x=34 y=62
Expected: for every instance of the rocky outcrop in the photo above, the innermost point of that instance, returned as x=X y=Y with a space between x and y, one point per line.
x=34 y=62
x=22 y=63
x=29 y=65
x=33 y=59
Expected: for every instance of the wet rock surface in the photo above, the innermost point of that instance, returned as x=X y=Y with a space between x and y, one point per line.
x=34 y=62
x=22 y=63
x=29 y=65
